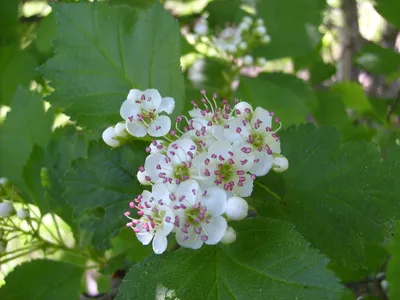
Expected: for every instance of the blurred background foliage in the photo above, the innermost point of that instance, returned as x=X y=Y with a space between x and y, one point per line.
x=329 y=62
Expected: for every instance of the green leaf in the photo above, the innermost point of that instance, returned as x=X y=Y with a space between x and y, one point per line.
x=269 y=260
x=26 y=125
x=104 y=51
x=353 y=96
x=17 y=67
x=45 y=34
x=9 y=20
x=389 y=9
x=44 y=280
x=339 y=197
x=376 y=59
x=100 y=187
x=393 y=272
x=224 y=11
x=288 y=96
x=292 y=28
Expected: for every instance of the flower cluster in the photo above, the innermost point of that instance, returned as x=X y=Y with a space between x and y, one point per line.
x=199 y=172
x=236 y=41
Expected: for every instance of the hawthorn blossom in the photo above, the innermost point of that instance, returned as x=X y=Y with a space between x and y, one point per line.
x=113 y=136
x=6 y=209
x=227 y=167
x=201 y=27
x=236 y=208
x=199 y=214
x=229 y=39
x=254 y=130
x=141 y=111
x=175 y=166
x=155 y=221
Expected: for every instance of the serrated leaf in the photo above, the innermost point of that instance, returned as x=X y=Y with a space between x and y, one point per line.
x=289 y=97
x=339 y=197
x=99 y=188
x=17 y=67
x=26 y=125
x=44 y=280
x=269 y=260
x=104 y=51
x=45 y=34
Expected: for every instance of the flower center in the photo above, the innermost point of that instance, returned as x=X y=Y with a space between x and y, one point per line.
x=181 y=172
x=226 y=172
x=257 y=140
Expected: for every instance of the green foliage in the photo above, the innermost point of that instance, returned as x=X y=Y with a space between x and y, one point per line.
x=269 y=260
x=100 y=187
x=44 y=280
x=26 y=125
x=338 y=196
x=389 y=9
x=393 y=272
x=104 y=51
x=270 y=90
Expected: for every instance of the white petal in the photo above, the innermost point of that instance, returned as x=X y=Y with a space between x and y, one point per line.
x=141 y=176
x=215 y=201
x=218 y=131
x=273 y=143
x=246 y=189
x=120 y=129
x=150 y=165
x=6 y=209
x=192 y=242
x=152 y=100
x=156 y=149
x=236 y=208
x=168 y=226
x=167 y=105
x=231 y=133
x=109 y=137
x=178 y=150
x=229 y=236
x=242 y=107
x=243 y=161
x=136 y=129
x=134 y=94
x=262 y=115
x=281 y=164
x=190 y=189
x=195 y=113
x=220 y=148
x=160 y=242
x=129 y=109
x=144 y=238
x=161 y=192
x=160 y=126
x=215 y=230
x=264 y=164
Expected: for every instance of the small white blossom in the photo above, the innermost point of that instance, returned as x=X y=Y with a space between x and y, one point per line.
x=261 y=61
x=6 y=209
x=236 y=208
x=23 y=213
x=260 y=22
x=141 y=111
x=156 y=221
x=110 y=137
x=281 y=164
x=3 y=181
x=201 y=27
x=199 y=215
x=261 y=30
x=247 y=19
x=229 y=39
x=248 y=60
x=243 y=46
x=229 y=236
x=265 y=39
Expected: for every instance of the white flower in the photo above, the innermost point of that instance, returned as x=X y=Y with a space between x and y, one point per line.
x=227 y=167
x=265 y=39
x=260 y=22
x=257 y=134
x=236 y=208
x=261 y=30
x=199 y=215
x=229 y=39
x=244 y=26
x=201 y=26
x=281 y=164
x=157 y=218
x=261 y=61
x=248 y=60
x=175 y=166
x=247 y=19
x=243 y=46
x=23 y=213
x=110 y=137
x=229 y=236
x=6 y=209
x=120 y=130
x=141 y=112
x=3 y=181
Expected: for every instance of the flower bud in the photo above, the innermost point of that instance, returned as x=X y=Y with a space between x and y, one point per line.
x=261 y=61
x=281 y=164
x=142 y=178
x=109 y=137
x=3 y=181
x=265 y=39
x=260 y=22
x=23 y=213
x=6 y=209
x=248 y=60
x=229 y=236
x=201 y=27
x=244 y=26
x=120 y=129
x=236 y=208
x=261 y=30
x=247 y=19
